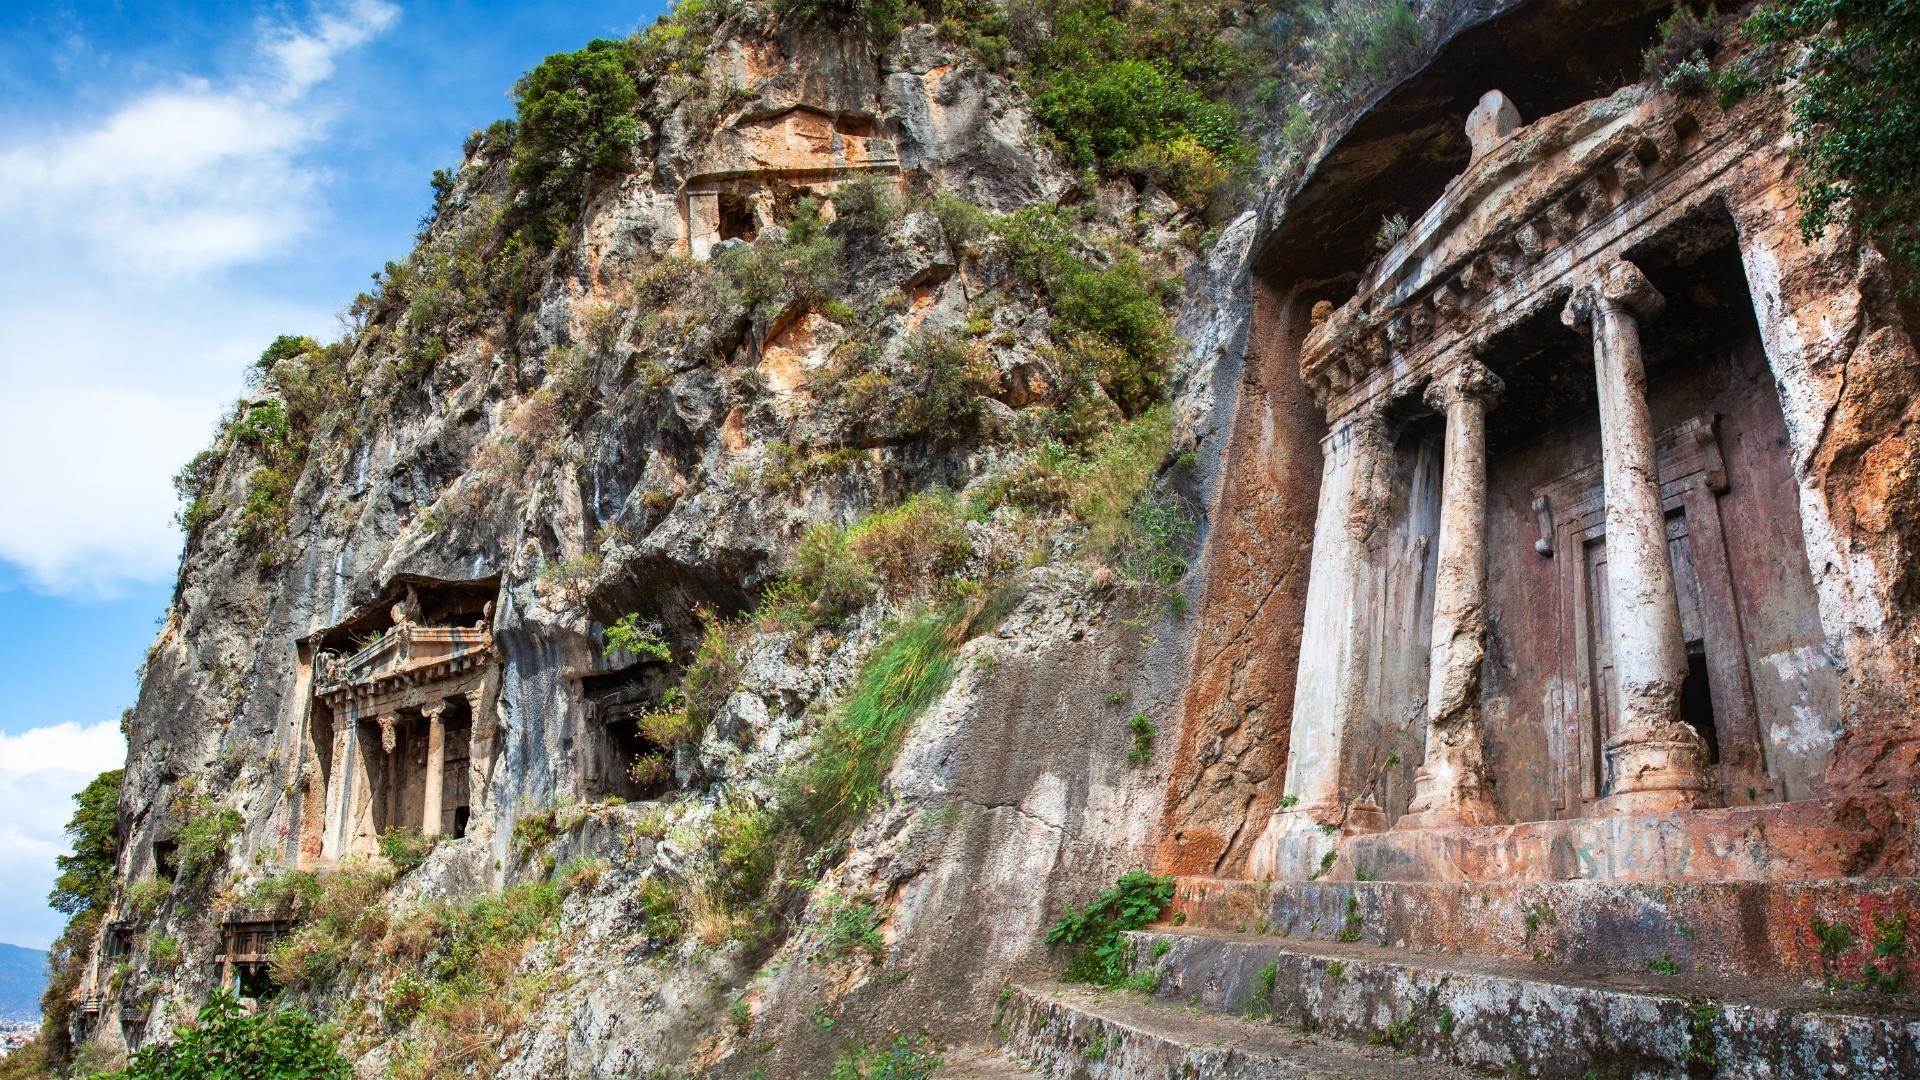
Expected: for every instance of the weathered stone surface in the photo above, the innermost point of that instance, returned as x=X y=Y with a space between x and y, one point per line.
x=1077 y=1034
x=1540 y=1021
x=1753 y=929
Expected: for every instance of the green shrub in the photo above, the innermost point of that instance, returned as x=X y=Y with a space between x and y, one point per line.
x=144 y=899
x=1155 y=91
x=204 y=831
x=1121 y=305
x=806 y=266
x=830 y=574
x=906 y=1059
x=848 y=925
x=1361 y=42
x=630 y=636
x=1098 y=953
x=943 y=388
x=876 y=20
x=534 y=831
x=164 y=951
x=965 y=223
x=1853 y=70
x=86 y=877
x=576 y=120
x=285 y=347
x=406 y=848
x=1143 y=730
x=660 y=914
x=1112 y=320
x=866 y=206
x=225 y=1043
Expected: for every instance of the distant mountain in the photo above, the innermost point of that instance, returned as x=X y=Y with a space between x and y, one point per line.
x=23 y=975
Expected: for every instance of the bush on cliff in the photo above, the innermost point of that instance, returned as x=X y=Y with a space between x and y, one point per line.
x=226 y=1043
x=1853 y=68
x=576 y=121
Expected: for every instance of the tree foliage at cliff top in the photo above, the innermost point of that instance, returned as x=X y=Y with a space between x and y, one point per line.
x=1854 y=66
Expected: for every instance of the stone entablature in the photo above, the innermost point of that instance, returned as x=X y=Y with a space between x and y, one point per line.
x=388 y=672
x=1507 y=233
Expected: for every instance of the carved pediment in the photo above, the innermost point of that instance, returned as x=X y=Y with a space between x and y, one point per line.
x=1528 y=194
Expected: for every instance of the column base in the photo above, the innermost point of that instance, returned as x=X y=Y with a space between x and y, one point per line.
x=1657 y=773
x=1297 y=841
x=1460 y=807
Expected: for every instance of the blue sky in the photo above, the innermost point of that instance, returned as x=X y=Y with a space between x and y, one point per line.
x=179 y=183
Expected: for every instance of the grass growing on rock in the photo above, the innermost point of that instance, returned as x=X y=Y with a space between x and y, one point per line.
x=755 y=849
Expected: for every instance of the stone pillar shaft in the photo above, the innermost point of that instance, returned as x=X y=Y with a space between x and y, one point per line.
x=1452 y=786
x=1324 y=787
x=436 y=768
x=1656 y=761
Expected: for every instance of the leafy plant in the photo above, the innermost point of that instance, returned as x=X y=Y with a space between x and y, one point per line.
x=225 y=1043
x=1143 y=732
x=907 y=1059
x=848 y=925
x=576 y=120
x=406 y=848
x=1853 y=69
x=164 y=951
x=204 y=831
x=86 y=878
x=630 y=636
x=1098 y=951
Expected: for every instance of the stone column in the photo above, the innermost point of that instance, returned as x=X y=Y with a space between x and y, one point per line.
x=1656 y=761
x=436 y=767
x=1452 y=786
x=1325 y=787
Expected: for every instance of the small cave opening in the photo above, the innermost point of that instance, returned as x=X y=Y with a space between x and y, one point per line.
x=166 y=860
x=619 y=760
x=736 y=217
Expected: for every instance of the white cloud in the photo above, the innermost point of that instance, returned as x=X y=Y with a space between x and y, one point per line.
x=40 y=771
x=126 y=313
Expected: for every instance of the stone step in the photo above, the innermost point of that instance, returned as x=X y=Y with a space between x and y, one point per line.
x=1821 y=930
x=1077 y=1033
x=1537 y=1020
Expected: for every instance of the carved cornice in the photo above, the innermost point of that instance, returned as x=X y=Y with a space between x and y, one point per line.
x=1496 y=222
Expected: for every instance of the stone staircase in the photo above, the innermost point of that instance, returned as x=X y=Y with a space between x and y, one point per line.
x=1548 y=979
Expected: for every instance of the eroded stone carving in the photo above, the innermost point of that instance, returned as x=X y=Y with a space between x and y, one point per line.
x=1452 y=785
x=1657 y=762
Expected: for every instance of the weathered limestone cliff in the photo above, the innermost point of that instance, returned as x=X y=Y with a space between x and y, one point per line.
x=765 y=557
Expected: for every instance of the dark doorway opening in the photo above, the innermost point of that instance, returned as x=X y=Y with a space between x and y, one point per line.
x=736 y=218
x=1696 y=701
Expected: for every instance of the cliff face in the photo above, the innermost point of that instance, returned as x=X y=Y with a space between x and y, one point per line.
x=855 y=528
x=647 y=430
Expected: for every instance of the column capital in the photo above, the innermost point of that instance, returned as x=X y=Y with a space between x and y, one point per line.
x=1371 y=430
x=435 y=709
x=1621 y=283
x=1467 y=380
